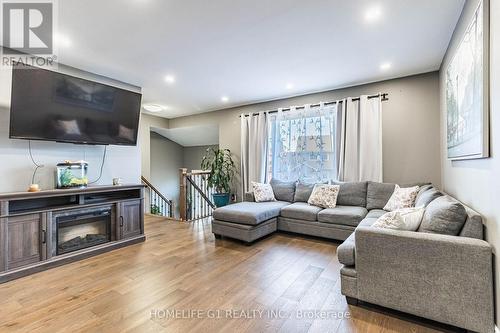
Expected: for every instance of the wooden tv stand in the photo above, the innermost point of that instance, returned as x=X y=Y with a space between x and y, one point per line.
x=40 y=230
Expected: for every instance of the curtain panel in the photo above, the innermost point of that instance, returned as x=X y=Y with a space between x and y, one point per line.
x=360 y=127
x=254 y=139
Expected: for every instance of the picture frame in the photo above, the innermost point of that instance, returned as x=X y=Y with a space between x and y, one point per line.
x=467 y=91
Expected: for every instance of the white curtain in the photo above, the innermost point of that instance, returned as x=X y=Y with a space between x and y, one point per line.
x=254 y=138
x=303 y=143
x=360 y=125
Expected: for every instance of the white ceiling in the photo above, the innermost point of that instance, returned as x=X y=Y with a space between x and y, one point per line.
x=250 y=50
x=191 y=136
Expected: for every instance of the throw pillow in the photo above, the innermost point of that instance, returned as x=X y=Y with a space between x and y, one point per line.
x=324 y=196
x=402 y=198
x=408 y=219
x=283 y=191
x=263 y=192
x=444 y=215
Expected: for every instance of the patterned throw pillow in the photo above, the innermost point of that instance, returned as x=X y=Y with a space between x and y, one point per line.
x=402 y=198
x=402 y=219
x=263 y=192
x=324 y=196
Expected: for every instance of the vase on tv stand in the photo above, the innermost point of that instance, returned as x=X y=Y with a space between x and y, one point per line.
x=221 y=166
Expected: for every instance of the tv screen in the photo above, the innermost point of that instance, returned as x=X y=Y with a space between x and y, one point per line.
x=51 y=106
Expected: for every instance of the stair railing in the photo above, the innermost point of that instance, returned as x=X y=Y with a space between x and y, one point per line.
x=195 y=200
x=158 y=203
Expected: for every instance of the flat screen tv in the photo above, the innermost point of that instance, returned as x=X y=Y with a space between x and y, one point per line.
x=51 y=106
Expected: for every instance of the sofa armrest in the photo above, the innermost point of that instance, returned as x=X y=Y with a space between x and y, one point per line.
x=443 y=278
x=249 y=197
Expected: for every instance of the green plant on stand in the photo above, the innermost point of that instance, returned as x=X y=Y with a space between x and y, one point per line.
x=155 y=209
x=222 y=169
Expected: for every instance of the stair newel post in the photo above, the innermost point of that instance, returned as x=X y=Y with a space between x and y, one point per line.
x=183 y=194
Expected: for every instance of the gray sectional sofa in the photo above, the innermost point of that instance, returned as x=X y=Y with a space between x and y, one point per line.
x=437 y=273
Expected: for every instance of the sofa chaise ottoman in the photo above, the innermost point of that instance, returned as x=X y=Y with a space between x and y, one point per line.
x=247 y=221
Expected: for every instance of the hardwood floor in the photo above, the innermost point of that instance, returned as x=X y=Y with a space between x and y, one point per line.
x=182 y=267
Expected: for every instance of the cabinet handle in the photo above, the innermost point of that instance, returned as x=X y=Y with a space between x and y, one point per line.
x=121 y=221
x=44 y=236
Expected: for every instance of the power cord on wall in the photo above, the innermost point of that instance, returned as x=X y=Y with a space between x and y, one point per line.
x=102 y=165
x=37 y=166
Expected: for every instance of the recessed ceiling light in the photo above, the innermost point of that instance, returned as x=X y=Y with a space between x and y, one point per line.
x=170 y=79
x=153 y=107
x=385 y=66
x=289 y=86
x=373 y=14
x=62 y=40
x=224 y=99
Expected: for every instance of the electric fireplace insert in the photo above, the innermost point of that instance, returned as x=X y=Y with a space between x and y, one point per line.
x=80 y=230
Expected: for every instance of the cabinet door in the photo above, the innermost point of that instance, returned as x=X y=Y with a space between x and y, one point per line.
x=130 y=219
x=26 y=240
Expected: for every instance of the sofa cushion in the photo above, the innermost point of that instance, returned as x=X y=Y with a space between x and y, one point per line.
x=444 y=215
x=426 y=195
x=250 y=213
x=345 y=215
x=303 y=191
x=378 y=194
x=283 y=191
x=351 y=193
x=376 y=213
x=301 y=211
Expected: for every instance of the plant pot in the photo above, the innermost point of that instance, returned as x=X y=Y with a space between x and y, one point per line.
x=221 y=199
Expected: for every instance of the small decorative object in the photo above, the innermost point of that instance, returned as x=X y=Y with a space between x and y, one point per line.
x=72 y=174
x=34 y=188
x=222 y=168
x=117 y=181
x=467 y=86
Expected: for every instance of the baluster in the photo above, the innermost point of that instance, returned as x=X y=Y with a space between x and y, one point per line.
x=193 y=206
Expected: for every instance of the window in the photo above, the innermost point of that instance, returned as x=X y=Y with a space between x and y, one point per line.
x=302 y=145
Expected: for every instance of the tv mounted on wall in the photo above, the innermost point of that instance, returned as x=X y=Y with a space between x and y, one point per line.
x=51 y=106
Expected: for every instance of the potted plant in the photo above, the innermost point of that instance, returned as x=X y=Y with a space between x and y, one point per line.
x=222 y=168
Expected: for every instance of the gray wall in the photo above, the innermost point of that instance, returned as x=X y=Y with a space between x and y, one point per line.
x=194 y=155
x=166 y=159
x=477 y=182
x=410 y=124
x=16 y=168
x=148 y=121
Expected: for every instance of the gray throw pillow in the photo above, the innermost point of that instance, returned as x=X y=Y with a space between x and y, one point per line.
x=351 y=193
x=444 y=215
x=303 y=192
x=283 y=191
x=426 y=195
x=378 y=194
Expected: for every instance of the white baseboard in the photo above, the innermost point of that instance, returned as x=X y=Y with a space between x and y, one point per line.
x=497 y=330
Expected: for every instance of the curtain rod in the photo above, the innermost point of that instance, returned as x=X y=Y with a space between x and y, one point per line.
x=384 y=98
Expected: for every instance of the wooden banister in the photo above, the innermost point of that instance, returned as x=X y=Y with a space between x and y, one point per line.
x=164 y=205
x=183 y=194
x=195 y=195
